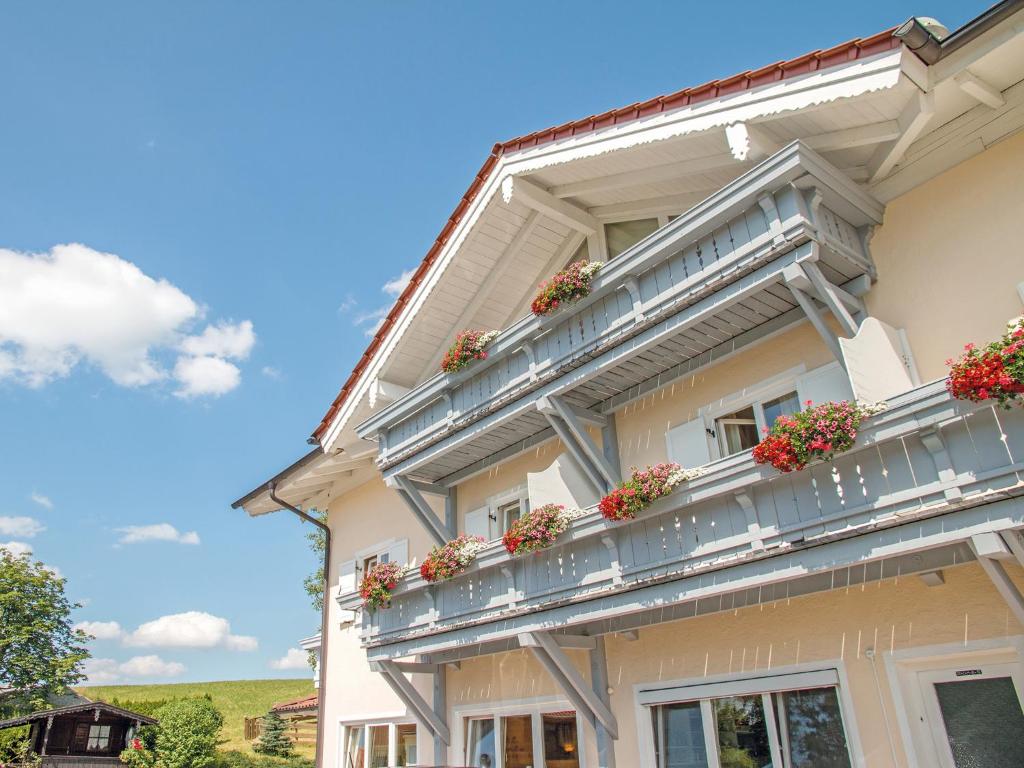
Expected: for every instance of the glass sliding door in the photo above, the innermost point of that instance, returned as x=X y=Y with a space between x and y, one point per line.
x=561 y=742
x=517 y=741
x=378 y=746
x=742 y=732
x=405 y=744
x=679 y=736
x=811 y=729
x=355 y=747
x=480 y=744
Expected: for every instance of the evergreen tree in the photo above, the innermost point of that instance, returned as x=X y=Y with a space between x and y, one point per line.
x=274 y=739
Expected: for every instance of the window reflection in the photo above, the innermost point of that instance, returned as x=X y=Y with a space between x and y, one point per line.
x=561 y=745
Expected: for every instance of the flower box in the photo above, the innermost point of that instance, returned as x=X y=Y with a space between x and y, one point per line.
x=467 y=347
x=538 y=529
x=571 y=284
x=817 y=432
x=644 y=487
x=378 y=584
x=996 y=372
x=451 y=559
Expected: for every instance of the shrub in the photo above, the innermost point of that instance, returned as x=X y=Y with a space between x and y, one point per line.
x=451 y=559
x=468 y=346
x=137 y=755
x=236 y=759
x=187 y=737
x=996 y=372
x=571 y=284
x=538 y=529
x=644 y=487
x=378 y=583
x=15 y=746
x=274 y=739
x=818 y=432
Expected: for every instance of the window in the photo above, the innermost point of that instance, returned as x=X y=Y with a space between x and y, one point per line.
x=798 y=728
x=379 y=745
x=480 y=744
x=561 y=742
x=623 y=235
x=741 y=430
x=517 y=741
x=99 y=738
x=405 y=744
x=508 y=513
x=502 y=510
x=372 y=560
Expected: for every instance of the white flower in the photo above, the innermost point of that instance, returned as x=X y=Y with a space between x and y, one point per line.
x=591 y=268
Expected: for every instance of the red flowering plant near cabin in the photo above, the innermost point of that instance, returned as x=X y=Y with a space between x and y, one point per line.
x=467 y=347
x=378 y=583
x=995 y=372
x=817 y=432
x=644 y=487
x=538 y=529
x=571 y=284
x=452 y=558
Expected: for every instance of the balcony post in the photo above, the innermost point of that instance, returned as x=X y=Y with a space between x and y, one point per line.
x=569 y=422
x=990 y=549
x=429 y=718
x=599 y=681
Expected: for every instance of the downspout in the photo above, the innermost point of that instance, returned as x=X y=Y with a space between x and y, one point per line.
x=321 y=697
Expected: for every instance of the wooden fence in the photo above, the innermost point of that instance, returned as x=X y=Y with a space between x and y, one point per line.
x=301 y=729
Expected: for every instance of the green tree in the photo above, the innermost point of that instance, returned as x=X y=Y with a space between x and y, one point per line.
x=314 y=583
x=40 y=653
x=274 y=739
x=187 y=735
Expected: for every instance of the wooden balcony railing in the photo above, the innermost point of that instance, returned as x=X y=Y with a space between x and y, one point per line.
x=703 y=285
x=923 y=455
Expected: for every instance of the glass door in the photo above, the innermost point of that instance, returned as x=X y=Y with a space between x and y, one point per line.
x=975 y=715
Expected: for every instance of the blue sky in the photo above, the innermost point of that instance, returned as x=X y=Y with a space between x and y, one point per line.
x=274 y=164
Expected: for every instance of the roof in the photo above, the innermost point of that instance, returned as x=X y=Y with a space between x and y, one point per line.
x=297 y=705
x=744 y=81
x=88 y=706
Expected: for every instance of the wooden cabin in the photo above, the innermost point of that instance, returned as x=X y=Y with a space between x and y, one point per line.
x=81 y=735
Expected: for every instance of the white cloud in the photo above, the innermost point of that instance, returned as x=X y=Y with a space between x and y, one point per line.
x=106 y=671
x=348 y=303
x=101 y=630
x=135 y=534
x=74 y=305
x=271 y=372
x=296 y=658
x=234 y=340
x=41 y=500
x=374 y=318
x=205 y=376
x=17 y=548
x=23 y=527
x=396 y=285
x=193 y=629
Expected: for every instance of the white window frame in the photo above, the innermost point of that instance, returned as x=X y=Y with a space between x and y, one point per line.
x=755 y=395
x=494 y=503
x=534 y=707
x=375 y=550
x=764 y=682
x=391 y=722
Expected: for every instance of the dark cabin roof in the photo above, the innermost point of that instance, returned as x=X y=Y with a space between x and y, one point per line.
x=86 y=707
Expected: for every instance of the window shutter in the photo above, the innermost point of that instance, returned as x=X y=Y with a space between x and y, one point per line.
x=688 y=444
x=825 y=384
x=477 y=523
x=347 y=584
x=397 y=553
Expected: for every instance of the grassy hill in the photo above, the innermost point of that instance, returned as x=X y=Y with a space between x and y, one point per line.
x=236 y=699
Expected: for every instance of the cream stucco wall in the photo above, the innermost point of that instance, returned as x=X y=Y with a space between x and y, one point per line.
x=360 y=518
x=833 y=629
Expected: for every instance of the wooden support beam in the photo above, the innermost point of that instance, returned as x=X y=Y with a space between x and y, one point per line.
x=545 y=405
x=913 y=120
x=1016 y=546
x=990 y=549
x=858 y=136
x=794 y=279
x=433 y=721
x=641 y=176
x=829 y=295
x=568 y=439
x=979 y=90
x=421 y=510
x=558 y=260
x=561 y=668
x=539 y=199
x=581 y=642
x=749 y=142
x=600 y=685
x=568 y=414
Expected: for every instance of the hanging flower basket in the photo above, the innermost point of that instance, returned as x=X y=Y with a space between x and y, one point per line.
x=378 y=583
x=818 y=432
x=995 y=372
x=468 y=346
x=571 y=284
x=538 y=529
x=644 y=487
x=451 y=559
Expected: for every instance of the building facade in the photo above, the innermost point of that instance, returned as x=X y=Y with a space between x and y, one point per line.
x=834 y=227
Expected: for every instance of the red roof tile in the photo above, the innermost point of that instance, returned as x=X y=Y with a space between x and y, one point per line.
x=306 y=702
x=809 y=62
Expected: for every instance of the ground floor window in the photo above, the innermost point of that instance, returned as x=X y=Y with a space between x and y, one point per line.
x=754 y=723
x=379 y=745
x=540 y=738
